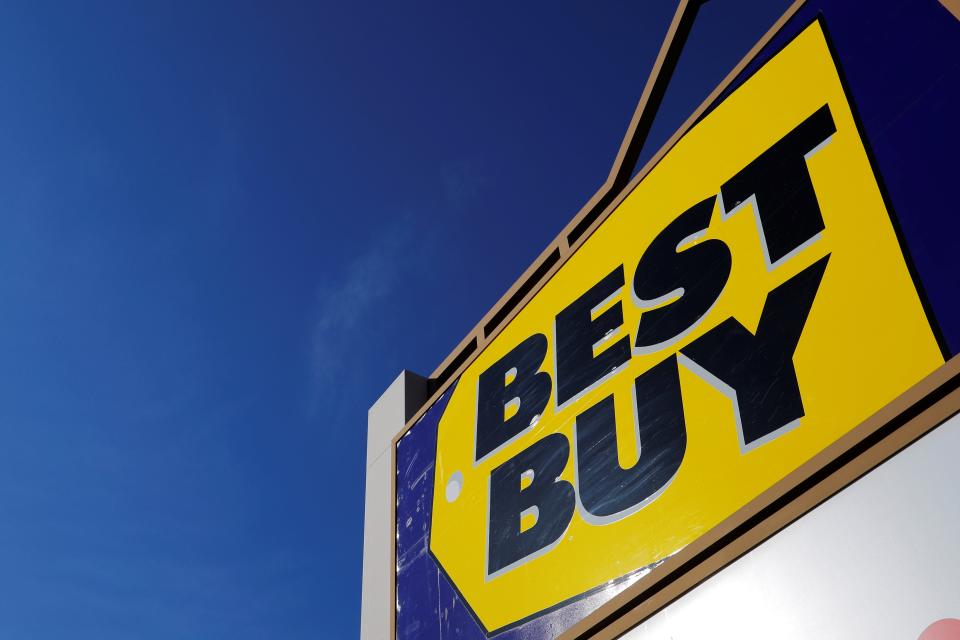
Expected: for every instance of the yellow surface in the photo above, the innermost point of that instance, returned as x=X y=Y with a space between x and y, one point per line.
x=866 y=341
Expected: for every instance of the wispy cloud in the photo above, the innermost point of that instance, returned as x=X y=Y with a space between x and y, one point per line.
x=354 y=303
x=359 y=305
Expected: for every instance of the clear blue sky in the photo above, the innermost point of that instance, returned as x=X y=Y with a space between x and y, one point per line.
x=224 y=228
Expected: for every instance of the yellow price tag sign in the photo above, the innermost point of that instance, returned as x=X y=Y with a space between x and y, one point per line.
x=745 y=306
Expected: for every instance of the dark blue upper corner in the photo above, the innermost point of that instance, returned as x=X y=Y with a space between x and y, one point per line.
x=900 y=62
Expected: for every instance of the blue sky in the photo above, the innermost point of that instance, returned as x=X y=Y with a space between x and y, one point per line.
x=224 y=229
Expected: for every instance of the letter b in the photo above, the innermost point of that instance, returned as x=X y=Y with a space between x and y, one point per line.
x=512 y=380
x=548 y=498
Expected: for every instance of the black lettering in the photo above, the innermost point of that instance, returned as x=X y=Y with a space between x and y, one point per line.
x=696 y=274
x=779 y=177
x=759 y=368
x=550 y=499
x=578 y=333
x=528 y=388
x=606 y=490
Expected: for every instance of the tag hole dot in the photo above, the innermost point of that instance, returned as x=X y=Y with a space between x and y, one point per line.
x=454 y=486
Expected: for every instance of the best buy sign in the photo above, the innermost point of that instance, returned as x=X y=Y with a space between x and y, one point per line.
x=745 y=306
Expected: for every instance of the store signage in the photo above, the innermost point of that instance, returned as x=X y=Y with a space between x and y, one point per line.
x=746 y=305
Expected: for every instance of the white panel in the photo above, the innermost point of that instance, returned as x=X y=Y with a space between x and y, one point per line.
x=879 y=560
x=390 y=412
x=385 y=420
x=375 y=613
